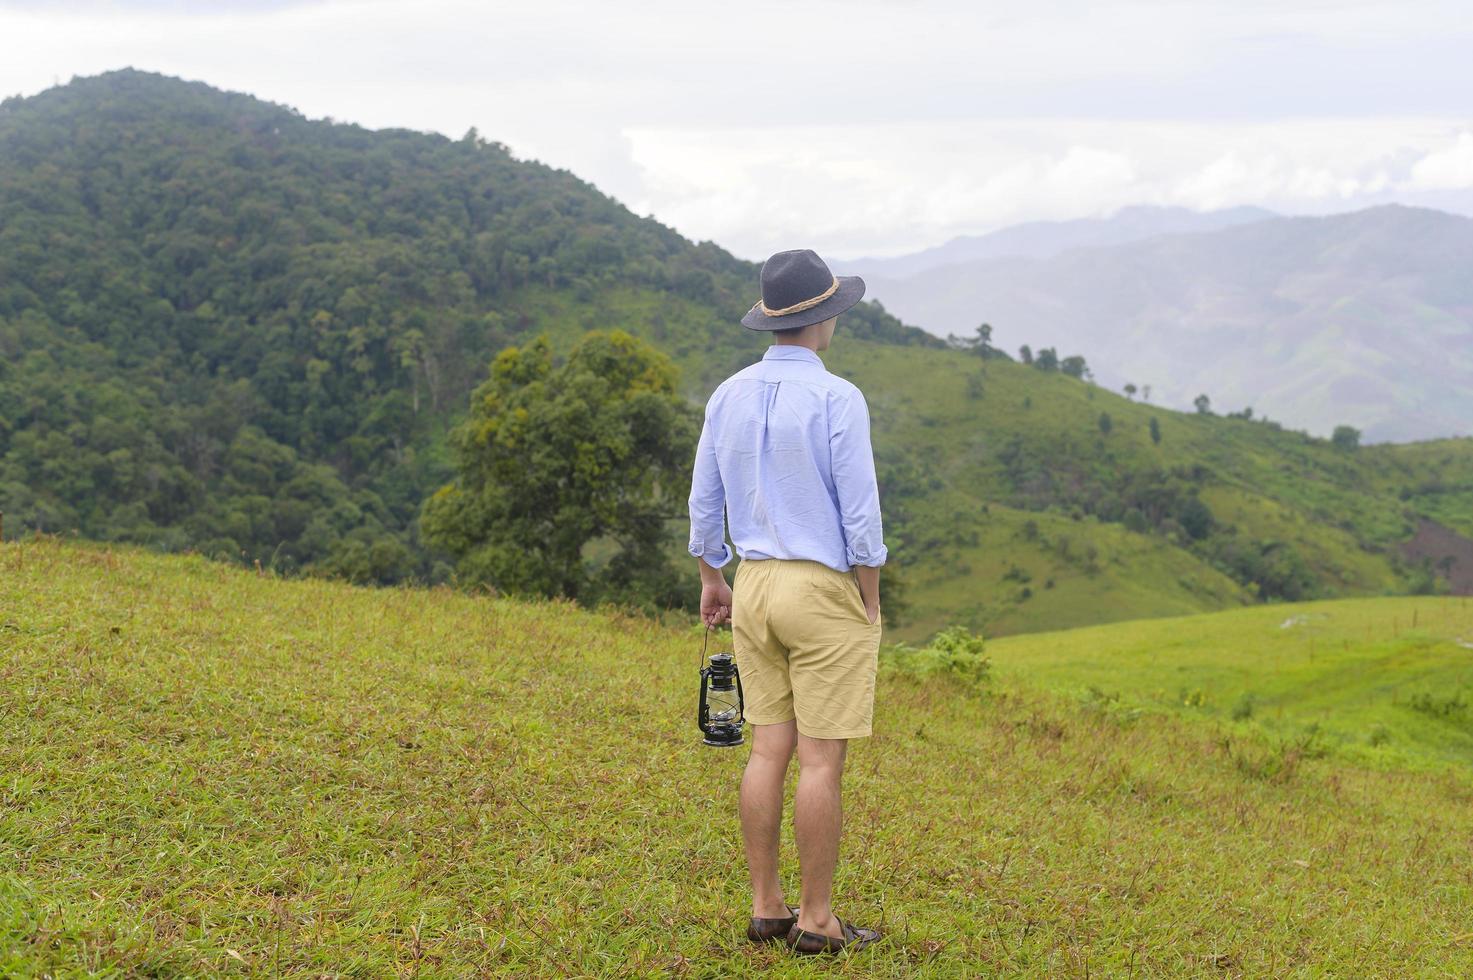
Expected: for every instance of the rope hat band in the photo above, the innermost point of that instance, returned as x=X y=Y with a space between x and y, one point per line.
x=806 y=304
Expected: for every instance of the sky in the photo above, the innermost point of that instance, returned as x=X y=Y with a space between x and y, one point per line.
x=855 y=127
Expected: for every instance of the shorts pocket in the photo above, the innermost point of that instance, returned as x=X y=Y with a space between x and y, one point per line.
x=843 y=590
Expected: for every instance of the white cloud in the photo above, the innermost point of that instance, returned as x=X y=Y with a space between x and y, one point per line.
x=859 y=190
x=1449 y=168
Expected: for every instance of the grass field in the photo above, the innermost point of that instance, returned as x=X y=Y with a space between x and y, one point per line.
x=1388 y=682
x=208 y=772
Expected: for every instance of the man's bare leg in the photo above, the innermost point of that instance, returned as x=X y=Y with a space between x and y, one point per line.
x=762 y=813
x=818 y=818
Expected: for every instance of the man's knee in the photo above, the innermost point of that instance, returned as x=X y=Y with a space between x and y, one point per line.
x=822 y=756
x=774 y=743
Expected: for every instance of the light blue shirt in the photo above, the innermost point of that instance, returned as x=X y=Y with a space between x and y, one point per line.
x=785 y=451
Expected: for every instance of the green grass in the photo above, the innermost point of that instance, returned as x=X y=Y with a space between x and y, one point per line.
x=1387 y=682
x=209 y=772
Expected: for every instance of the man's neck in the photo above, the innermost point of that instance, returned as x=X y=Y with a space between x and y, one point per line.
x=810 y=343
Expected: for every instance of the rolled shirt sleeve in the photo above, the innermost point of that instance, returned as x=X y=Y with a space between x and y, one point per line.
x=708 y=504
x=853 y=466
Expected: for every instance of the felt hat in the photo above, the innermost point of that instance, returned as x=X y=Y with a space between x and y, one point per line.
x=798 y=289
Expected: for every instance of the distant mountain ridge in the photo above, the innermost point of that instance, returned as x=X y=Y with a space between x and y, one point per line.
x=1363 y=318
x=1044 y=239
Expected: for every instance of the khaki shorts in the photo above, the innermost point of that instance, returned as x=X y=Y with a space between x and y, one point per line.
x=805 y=647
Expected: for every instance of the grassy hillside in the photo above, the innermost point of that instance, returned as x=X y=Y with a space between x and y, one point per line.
x=1383 y=681
x=1286 y=516
x=211 y=772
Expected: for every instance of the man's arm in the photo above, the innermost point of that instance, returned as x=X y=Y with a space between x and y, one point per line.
x=853 y=464
x=708 y=530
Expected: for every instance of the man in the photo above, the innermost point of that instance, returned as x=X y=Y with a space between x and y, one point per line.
x=785 y=451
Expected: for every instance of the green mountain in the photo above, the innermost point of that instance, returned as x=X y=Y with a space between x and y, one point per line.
x=1363 y=319
x=231 y=329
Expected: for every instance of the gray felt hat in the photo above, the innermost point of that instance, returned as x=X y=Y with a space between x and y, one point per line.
x=798 y=289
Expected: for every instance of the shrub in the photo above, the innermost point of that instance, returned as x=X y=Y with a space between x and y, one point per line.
x=955 y=652
x=1450 y=707
x=1243 y=708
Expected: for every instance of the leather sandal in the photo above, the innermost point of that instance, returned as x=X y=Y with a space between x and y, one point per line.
x=772 y=930
x=812 y=943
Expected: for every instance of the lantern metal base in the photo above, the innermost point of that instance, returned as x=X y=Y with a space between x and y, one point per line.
x=724 y=740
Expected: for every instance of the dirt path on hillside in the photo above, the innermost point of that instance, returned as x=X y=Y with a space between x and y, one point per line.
x=1451 y=554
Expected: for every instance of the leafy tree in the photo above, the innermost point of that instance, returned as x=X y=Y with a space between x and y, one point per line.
x=1106 y=423
x=554 y=459
x=1075 y=367
x=1130 y=391
x=1346 y=437
x=1155 y=431
x=1047 y=360
x=1025 y=354
x=1146 y=393
x=1203 y=404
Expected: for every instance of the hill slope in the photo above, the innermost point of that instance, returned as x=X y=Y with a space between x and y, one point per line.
x=1022 y=514
x=211 y=772
x=1363 y=319
x=1387 y=681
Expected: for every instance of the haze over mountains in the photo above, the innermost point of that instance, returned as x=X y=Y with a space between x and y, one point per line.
x=1044 y=239
x=1363 y=318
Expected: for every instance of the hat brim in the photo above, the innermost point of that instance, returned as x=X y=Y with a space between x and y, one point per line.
x=850 y=291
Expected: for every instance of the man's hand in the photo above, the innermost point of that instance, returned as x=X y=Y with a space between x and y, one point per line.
x=715 y=604
x=715 y=596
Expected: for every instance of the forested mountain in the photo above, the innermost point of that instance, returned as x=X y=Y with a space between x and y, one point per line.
x=1363 y=319
x=227 y=328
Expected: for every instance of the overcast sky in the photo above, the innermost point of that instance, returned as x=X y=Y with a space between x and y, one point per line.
x=854 y=127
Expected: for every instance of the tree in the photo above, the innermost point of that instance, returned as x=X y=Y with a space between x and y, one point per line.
x=1155 y=431
x=979 y=343
x=1106 y=423
x=1204 y=405
x=1146 y=393
x=1075 y=367
x=1130 y=391
x=1346 y=437
x=553 y=458
x=1047 y=359
x=1025 y=354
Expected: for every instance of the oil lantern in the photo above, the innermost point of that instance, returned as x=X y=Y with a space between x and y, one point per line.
x=720 y=715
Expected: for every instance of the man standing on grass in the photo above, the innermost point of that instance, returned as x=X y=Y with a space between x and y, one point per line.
x=785 y=451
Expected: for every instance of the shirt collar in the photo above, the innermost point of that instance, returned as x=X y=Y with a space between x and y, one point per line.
x=791 y=352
